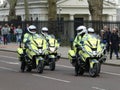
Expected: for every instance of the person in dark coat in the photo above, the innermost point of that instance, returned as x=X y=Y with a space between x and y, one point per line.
x=106 y=37
x=25 y=31
x=114 y=42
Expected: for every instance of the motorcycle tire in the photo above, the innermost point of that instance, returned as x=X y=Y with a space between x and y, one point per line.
x=76 y=70
x=40 y=67
x=95 y=70
x=23 y=65
x=52 y=66
x=29 y=69
x=81 y=71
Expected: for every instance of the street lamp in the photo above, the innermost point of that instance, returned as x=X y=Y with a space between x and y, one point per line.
x=59 y=14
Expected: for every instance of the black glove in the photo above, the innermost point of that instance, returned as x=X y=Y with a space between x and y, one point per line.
x=26 y=43
x=78 y=47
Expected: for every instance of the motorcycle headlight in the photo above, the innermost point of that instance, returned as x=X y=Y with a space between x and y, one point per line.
x=40 y=50
x=52 y=49
x=94 y=53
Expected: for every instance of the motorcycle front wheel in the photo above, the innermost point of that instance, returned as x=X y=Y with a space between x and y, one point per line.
x=95 y=70
x=52 y=65
x=40 y=67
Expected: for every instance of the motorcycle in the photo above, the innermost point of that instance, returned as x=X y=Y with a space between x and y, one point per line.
x=32 y=57
x=89 y=57
x=52 y=55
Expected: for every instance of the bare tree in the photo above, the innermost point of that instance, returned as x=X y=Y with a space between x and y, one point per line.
x=52 y=16
x=12 y=10
x=26 y=10
x=96 y=9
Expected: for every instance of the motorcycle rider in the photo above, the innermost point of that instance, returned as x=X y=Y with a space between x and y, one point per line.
x=28 y=39
x=30 y=35
x=44 y=33
x=91 y=31
x=81 y=36
x=47 y=37
x=91 y=34
x=78 y=41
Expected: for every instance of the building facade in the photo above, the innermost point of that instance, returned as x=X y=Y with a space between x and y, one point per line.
x=66 y=9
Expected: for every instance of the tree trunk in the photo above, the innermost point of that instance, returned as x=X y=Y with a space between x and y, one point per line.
x=96 y=9
x=52 y=16
x=12 y=10
x=26 y=10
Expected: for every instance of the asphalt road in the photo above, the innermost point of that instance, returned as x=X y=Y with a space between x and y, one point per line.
x=61 y=79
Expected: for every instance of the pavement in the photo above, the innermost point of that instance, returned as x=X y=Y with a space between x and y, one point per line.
x=12 y=47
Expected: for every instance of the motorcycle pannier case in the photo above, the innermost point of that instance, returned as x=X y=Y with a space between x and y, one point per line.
x=20 y=52
x=71 y=56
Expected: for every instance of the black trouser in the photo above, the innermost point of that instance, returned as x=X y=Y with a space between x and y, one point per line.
x=5 y=39
x=108 y=47
x=115 y=49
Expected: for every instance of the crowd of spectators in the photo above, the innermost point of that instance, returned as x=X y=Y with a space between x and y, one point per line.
x=11 y=33
x=112 y=40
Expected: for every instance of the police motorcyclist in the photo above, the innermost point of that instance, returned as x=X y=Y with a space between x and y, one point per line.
x=79 y=40
x=81 y=36
x=91 y=31
x=45 y=35
x=30 y=34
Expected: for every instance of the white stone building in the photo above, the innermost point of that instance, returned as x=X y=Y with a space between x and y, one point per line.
x=66 y=9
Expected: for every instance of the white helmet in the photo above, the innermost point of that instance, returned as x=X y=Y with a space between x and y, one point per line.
x=81 y=29
x=91 y=30
x=32 y=29
x=45 y=29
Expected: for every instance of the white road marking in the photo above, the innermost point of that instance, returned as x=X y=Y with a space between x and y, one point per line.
x=64 y=66
x=97 y=88
x=8 y=57
x=116 y=74
x=10 y=69
x=13 y=63
x=65 y=81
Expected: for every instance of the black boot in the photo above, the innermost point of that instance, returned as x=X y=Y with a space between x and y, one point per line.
x=117 y=57
x=76 y=70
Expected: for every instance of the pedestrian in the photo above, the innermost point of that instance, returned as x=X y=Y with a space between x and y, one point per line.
x=12 y=35
x=5 y=32
x=0 y=34
x=18 y=34
x=106 y=37
x=8 y=36
x=114 y=42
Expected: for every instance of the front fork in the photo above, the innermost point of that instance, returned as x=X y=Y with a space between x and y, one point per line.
x=92 y=62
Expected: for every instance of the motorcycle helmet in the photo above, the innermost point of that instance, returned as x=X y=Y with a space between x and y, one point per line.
x=81 y=29
x=91 y=30
x=44 y=30
x=32 y=29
